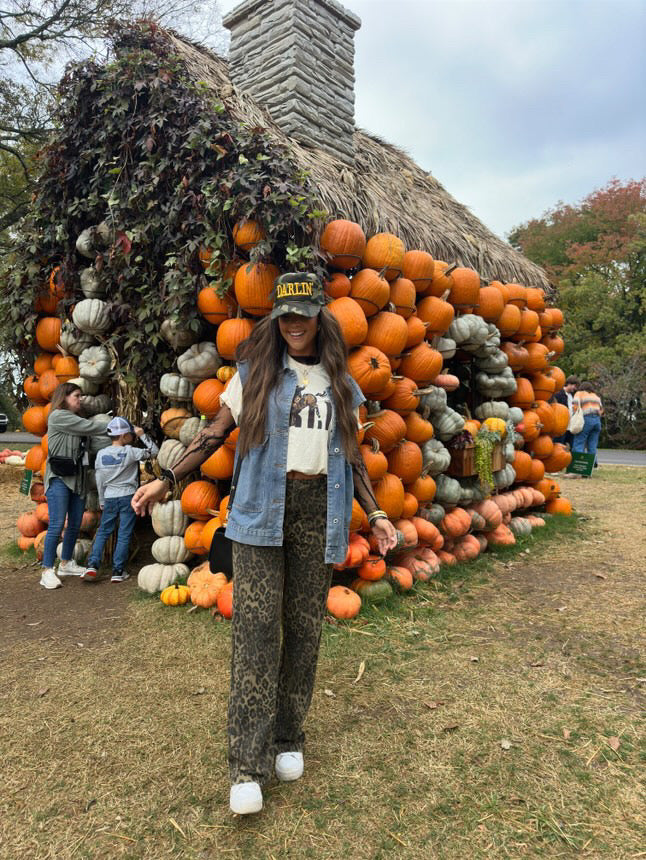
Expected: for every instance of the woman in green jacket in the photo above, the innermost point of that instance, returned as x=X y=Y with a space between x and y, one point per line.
x=66 y=478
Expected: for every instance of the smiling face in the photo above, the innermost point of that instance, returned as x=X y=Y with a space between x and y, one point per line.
x=299 y=333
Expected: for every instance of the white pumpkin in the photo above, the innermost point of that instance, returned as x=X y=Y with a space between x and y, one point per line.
x=504 y=478
x=448 y=424
x=95 y=363
x=156 y=577
x=433 y=513
x=448 y=491
x=493 y=409
x=87 y=386
x=15 y=460
x=494 y=362
x=92 y=238
x=433 y=401
x=200 y=361
x=91 y=316
x=175 y=387
x=515 y=415
x=80 y=552
x=168 y=518
x=189 y=430
x=170 y=452
x=90 y=284
x=170 y=549
x=520 y=526
x=73 y=340
x=446 y=346
x=501 y=384
x=96 y=404
x=435 y=457
x=176 y=336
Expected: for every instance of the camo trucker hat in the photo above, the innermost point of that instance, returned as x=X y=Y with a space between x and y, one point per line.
x=297 y=293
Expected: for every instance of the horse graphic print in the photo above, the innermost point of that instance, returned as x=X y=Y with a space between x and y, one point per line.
x=313 y=411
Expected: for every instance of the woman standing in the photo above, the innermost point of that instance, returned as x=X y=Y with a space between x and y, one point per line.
x=590 y=404
x=66 y=478
x=297 y=409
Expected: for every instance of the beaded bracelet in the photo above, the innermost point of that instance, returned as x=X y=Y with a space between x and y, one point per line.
x=375 y=515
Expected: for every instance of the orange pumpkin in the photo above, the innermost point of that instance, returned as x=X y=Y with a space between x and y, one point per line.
x=442 y=282
x=370 y=368
x=32 y=390
x=47 y=384
x=351 y=319
x=387 y=332
x=373 y=568
x=210 y=527
x=455 y=523
x=248 y=233
x=400 y=577
x=193 y=538
x=345 y=242
x=509 y=320
x=206 y=397
x=418 y=429
x=35 y=459
x=405 y=461
x=48 y=333
x=198 y=499
x=559 y=506
x=423 y=488
x=419 y=268
x=403 y=397
x=337 y=285
x=370 y=290
x=42 y=362
x=437 y=313
x=387 y=429
x=517 y=295
x=465 y=288
x=524 y=394
x=384 y=252
x=231 y=333
x=253 y=284
x=342 y=602
x=559 y=459
x=389 y=493
x=416 y=331
x=224 y=601
x=402 y=296
x=422 y=364
x=535 y=298
x=33 y=420
x=214 y=308
x=492 y=304
x=219 y=466
x=411 y=505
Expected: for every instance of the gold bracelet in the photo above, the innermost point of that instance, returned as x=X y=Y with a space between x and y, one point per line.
x=375 y=515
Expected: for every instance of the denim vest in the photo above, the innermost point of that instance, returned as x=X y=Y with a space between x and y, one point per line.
x=258 y=510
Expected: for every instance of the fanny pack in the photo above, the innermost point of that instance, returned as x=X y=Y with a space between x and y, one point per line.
x=65 y=467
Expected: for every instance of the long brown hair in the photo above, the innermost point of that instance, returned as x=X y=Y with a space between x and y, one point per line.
x=60 y=393
x=263 y=351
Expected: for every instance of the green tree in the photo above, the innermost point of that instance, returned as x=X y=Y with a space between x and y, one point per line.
x=595 y=255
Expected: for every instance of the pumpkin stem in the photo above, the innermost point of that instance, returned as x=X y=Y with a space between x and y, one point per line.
x=450 y=269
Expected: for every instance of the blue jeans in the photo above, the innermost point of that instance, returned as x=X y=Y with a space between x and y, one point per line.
x=114 y=510
x=589 y=436
x=61 y=503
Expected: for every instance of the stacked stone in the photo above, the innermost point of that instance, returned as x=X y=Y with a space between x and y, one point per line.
x=296 y=59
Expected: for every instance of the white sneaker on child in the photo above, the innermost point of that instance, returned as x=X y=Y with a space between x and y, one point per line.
x=289 y=766
x=245 y=798
x=49 y=578
x=70 y=568
x=120 y=576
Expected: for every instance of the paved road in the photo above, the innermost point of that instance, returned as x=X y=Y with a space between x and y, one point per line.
x=608 y=457
x=10 y=438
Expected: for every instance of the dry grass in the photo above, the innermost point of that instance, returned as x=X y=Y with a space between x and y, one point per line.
x=482 y=726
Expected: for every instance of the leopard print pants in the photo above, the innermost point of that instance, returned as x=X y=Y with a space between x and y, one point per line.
x=272 y=676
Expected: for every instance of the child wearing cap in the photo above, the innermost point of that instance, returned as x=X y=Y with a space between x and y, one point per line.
x=117 y=479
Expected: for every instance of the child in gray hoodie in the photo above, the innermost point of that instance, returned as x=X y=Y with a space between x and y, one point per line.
x=117 y=479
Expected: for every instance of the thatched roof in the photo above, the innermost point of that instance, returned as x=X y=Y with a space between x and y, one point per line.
x=385 y=191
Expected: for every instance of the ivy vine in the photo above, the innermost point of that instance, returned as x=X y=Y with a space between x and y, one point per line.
x=154 y=154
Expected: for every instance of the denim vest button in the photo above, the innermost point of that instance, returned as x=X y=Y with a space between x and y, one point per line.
x=335 y=521
x=336 y=486
x=336 y=450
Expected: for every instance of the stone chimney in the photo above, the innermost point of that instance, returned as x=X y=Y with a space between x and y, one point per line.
x=296 y=59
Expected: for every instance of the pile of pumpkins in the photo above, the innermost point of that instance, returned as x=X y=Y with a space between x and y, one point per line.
x=403 y=316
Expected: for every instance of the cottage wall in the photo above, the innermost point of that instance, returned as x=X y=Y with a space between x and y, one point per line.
x=296 y=58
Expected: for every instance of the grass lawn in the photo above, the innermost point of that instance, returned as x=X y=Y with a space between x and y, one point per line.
x=494 y=713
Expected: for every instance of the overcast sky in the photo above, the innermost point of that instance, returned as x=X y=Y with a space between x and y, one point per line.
x=513 y=105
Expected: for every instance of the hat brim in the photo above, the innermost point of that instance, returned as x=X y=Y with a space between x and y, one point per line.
x=303 y=309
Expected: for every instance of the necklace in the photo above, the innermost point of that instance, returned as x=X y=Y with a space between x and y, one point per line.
x=303 y=368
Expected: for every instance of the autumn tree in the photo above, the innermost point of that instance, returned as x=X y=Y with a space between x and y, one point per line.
x=595 y=255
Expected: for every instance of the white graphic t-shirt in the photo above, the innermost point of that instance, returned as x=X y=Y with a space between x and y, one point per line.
x=310 y=419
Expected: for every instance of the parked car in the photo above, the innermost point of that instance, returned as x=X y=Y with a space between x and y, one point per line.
x=4 y=421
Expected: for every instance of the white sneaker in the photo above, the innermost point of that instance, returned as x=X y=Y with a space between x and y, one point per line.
x=70 y=568
x=245 y=798
x=49 y=578
x=289 y=766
